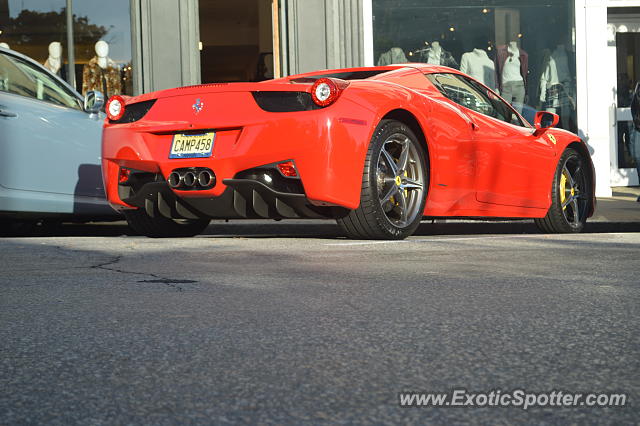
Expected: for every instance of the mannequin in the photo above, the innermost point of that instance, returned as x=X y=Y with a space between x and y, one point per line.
x=395 y=55
x=102 y=73
x=479 y=66
x=54 y=62
x=435 y=54
x=512 y=66
x=556 y=88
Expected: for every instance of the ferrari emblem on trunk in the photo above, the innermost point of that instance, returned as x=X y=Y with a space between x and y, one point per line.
x=198 y=106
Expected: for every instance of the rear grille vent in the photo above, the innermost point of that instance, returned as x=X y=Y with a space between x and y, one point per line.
x=203 y=85
x=285 y=101
x=134 y=112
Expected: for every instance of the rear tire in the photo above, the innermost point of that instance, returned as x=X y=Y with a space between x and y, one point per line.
x=571 y=194
x=395 y=181
x=162 y=227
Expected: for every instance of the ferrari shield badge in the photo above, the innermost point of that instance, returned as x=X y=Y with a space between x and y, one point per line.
x=197 y=106
x=552 y=138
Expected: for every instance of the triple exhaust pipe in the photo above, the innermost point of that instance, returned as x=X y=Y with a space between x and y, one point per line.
x=194 y=178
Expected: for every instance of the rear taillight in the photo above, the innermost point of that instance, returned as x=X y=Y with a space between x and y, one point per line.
x=115 y=108
x=325 y=91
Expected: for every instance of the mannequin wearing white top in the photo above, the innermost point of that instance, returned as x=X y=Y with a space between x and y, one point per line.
x=511 y=71
x=54 y=62
x=479 y=66
x=434 y=54
x=513 y=90
x=555 y=84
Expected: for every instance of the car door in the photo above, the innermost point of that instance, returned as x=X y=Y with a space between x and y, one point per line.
x=512 y=165
x=48 y=144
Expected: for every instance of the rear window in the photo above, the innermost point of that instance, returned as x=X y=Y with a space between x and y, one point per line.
x=349 y=75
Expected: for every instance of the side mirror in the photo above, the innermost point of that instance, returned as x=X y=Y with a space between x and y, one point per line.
x=93 y=102
x=544 y=120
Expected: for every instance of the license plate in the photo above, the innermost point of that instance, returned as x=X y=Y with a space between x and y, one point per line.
x=192 y=146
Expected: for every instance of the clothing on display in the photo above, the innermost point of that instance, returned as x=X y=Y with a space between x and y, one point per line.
x=514 y=92
x=555 y=71
x=54 y=60
x=635 y=129
x=478 y=65
x=106 y=80
x=635 y=107
x=436 y=55
x=395 y=55
x=556 y=88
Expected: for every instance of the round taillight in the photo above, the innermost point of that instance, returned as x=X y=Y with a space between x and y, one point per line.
x=325 y=91
x=115 y=108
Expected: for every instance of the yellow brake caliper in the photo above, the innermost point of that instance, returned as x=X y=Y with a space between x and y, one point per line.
x=563 y=189
x=406 y=191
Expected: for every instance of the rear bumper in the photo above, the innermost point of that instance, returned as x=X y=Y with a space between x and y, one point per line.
x=242 y=199
x=328 y=147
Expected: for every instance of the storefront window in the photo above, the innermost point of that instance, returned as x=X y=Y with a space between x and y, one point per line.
x=236 y=40
x=30 y=27
x=501 y=43
x=101 y=36
x=628 y=69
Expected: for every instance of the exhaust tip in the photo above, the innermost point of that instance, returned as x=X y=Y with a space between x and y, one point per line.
x=206 y=178
x=174 y=179
x=189 y=179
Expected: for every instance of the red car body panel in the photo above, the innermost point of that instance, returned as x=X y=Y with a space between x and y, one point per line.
x=479 y=166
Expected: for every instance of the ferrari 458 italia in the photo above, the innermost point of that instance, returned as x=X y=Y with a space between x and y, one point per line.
x=377 y=149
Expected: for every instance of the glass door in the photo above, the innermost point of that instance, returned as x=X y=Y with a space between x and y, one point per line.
x=624 y=27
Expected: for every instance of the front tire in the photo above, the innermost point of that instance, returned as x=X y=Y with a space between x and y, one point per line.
x=162 y=227
x=571 y=194
x=395 y=182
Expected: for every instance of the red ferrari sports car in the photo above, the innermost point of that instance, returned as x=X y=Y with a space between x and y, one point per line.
x=377 y=149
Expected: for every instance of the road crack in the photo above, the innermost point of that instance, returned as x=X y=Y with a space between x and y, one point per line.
x=170 y=282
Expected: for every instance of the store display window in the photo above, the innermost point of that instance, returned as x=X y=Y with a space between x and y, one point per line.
x=500 y=43
x=101 y=40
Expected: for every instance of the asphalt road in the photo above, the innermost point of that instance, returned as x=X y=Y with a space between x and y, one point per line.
x=291 y=324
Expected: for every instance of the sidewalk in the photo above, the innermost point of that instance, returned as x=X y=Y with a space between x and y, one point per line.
x=622 y=207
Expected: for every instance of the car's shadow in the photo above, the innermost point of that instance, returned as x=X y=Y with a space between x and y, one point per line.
x=308 y=229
